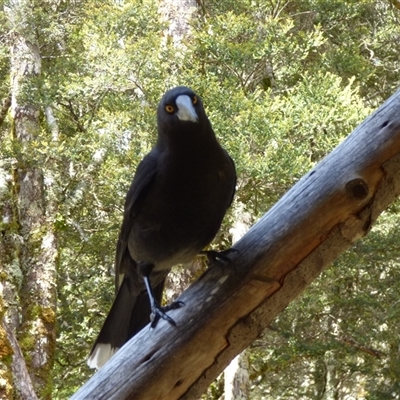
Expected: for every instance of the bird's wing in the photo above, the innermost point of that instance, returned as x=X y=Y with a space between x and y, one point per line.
x=142 y=182
x=144 y=178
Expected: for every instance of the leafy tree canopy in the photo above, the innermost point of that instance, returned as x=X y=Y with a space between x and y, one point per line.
x=283 y=83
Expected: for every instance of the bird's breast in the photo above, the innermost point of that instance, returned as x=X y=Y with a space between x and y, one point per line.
x=183 y=210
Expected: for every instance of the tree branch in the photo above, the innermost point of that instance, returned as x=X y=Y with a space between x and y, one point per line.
x=21 y=376
x=228 y=307
x=369 y=350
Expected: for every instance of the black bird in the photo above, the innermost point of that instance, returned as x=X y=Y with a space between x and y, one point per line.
x=173 y=209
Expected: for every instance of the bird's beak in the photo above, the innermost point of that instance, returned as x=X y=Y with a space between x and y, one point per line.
x=186 y=111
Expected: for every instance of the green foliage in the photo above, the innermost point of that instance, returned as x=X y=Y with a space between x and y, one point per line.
x=250 y=50
x=283 y=83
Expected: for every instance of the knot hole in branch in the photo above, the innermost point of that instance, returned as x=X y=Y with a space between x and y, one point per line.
x=357 y=189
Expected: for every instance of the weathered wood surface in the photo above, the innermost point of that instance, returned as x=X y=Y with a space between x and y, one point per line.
x=228 y=307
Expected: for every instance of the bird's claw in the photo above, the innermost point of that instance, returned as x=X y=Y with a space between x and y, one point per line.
x=158 y=312
x=218 y=256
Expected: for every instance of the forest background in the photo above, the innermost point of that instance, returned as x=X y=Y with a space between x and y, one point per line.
x=283 y=83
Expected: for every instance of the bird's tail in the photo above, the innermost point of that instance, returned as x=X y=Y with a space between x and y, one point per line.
x=129 y=314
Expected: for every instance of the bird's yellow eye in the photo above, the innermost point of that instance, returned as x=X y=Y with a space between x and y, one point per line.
x=194 y=100
x=169 y=109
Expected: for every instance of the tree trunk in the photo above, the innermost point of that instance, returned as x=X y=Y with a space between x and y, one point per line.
x=236 y=374
x=332 y=383
x=178 y=14
x=229 y=306
x=30 y=321
x=9 y=281
x=237 y=383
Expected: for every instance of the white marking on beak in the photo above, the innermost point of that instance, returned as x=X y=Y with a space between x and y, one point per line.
x=186 y=111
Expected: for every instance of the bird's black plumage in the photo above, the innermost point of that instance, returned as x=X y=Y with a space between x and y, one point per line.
x=173 y=209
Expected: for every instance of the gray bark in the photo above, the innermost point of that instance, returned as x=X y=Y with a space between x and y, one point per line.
x=237 y=383
x=178 y=14
x=32 y=320
x=19 y=370
x=236 y=374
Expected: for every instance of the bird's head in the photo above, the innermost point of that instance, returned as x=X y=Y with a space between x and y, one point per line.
x=180 y=108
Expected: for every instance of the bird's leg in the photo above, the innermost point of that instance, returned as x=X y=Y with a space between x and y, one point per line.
x=157 y=311
x=218 y=256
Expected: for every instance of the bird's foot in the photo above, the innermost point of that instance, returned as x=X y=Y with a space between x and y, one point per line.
x=219 y=256
x=158 y=312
